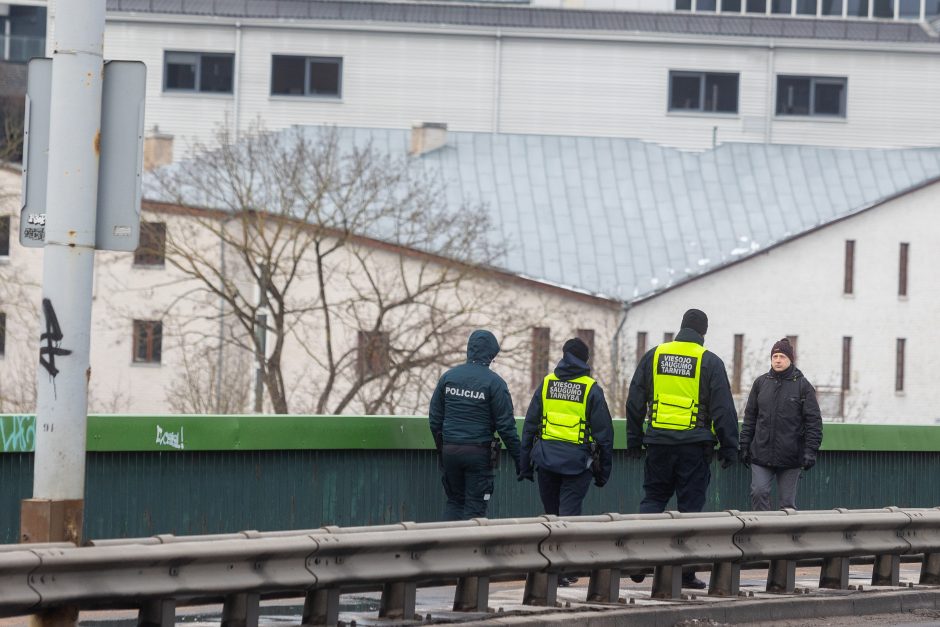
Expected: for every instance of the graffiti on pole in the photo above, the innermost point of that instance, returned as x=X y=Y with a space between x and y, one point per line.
x=53 y=339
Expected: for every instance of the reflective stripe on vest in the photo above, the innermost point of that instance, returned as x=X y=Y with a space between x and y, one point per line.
x=564 y=409
x=677 y=370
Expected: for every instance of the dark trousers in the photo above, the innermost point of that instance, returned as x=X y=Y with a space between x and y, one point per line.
x=468 y=481
x=680 y=469
x=562 y=495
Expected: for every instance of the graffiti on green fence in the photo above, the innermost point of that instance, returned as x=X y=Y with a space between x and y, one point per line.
x=17 y=434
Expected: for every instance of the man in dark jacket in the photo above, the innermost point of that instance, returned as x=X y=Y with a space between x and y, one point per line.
x=468 y=405
x=683 y=390
x=782 y=429
x=568 y=434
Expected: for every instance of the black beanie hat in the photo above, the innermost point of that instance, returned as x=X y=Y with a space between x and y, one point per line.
x=696 y=320
x=783 y=346
x=578 y=348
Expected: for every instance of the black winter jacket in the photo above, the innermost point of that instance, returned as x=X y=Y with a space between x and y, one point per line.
x=715 y=403
x=782 y=421
x=471 y=401
x=565 y=458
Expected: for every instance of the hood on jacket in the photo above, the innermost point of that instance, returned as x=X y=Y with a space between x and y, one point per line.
x=570 y=367
x=482 y=347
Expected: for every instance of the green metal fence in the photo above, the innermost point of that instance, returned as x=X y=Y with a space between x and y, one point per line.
x=213 y=474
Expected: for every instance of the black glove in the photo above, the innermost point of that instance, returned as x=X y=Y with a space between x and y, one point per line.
x=744 y=456
x=599 y=481
x=808 y=461
x=727 y=456
x=635 y=452
x=528 y=475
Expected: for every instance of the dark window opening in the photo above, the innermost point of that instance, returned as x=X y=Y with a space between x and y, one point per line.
x=902 y=269
x=756 y=6
x=730 y=6
x=3 y=333
x=151 y=251
x=884 y=8
x=587 y=336
x=806 y=7
x=640 y=345
x=899 y=366
x=832 y=7
x=306 y=76
x=793 y=339
x=857 y=8
x=373 y=357
x=780 y=6
x=706 y=92
x=148 y=341
x=737 y=363
x=846 y=372
x=668 y=336
x=4 y=236
x=808 y=95
x=849 y=282
x=541 y=338
x=199 y=72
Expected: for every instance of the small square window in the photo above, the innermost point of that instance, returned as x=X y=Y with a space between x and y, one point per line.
x=756 y=6
x=198 y=72
x=705 y=92
x=306 y=76
x=811 y=96
x=148 y=341
x=4 y=236
x=151 y=251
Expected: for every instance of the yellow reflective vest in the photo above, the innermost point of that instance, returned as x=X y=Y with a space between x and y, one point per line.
x=564 y=409
x=677 y=372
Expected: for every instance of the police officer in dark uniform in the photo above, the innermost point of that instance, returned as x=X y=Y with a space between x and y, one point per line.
x=683 y=390
x=568 y=434
x=468 y=405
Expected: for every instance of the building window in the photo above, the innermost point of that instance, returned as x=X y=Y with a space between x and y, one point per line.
x=198 y=72
x=846 y=372
x=899 y=366
x=373 y=354
x=3 y=334
x=848 y=286
x=792 y=339
x=587 y=336
x=541 y=337
x=831 y=7
x=811 y=95
x=151 y=251
x=902 y=269
x=704 y=92
x=737 y=363
x=668 y=336
x=306 y=76
x=640 y=345
x=148 y=341
x=4 y=236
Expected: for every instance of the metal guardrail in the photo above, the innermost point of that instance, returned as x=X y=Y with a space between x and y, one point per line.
x=155 y=574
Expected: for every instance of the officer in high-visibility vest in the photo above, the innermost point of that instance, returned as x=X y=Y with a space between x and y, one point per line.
x=682 y=390
x=568 y=436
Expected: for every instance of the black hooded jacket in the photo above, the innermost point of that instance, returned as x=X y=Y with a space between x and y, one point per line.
x=471 y=401
x=563 y=457
x=782 y=421
x=715 y=403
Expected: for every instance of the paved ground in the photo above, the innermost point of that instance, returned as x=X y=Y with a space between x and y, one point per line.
x=637 y=609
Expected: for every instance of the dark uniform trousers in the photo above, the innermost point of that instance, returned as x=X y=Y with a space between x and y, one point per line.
x=682 y=469
x=468 y=480
x=562 y=495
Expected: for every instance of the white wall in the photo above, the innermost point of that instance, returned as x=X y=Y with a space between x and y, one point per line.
x=550 y=82
x=797 y=289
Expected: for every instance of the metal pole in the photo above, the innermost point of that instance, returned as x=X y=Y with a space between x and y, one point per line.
x=55 y=512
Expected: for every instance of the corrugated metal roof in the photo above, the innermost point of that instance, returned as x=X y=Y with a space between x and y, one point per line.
x=625 y=218
x=526 y=17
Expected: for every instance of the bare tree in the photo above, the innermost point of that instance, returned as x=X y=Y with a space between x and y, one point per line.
x=213 y=379
x=344 y=261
